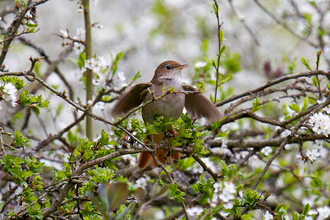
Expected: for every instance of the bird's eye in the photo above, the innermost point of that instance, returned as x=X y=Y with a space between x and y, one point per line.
x=168 y=67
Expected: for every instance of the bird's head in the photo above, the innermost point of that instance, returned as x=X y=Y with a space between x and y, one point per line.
x=168 y=70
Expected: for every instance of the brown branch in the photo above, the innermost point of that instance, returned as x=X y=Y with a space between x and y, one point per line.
x=274 y=82
x=259 y=144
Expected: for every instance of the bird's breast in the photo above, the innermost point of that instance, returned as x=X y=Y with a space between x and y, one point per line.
x=170 y=106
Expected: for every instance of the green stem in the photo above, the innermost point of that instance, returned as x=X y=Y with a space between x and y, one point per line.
x=89 y=72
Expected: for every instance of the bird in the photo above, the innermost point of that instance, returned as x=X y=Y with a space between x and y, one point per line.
x=167 y=76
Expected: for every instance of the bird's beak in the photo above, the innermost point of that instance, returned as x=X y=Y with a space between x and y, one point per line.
x=182 y=66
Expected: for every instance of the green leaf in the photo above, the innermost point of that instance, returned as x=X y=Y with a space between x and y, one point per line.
x=222 y=50
x=315 y=81
x=255 y=104
x=136 y=76
x=295 y=215
x=295 y=107
x=116 y=61
x=305 y=104
x=211 y=97
x=204 y=47
x=306 y=209
x=104 y=139
x=328 y=86
x=278 y=207
x=19 y=140
x=123 y=214
x=176 y=193
x=221 y=35
x=306 y=63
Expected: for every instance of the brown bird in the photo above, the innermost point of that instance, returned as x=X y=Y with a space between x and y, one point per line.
x=167 y=75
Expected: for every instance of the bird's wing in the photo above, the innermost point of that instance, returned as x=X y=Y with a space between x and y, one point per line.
x=198 y=106
x=131 y=99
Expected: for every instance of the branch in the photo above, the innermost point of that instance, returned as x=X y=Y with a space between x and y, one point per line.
x=274 y=82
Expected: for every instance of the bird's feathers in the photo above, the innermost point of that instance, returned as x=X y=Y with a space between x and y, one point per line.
x=198 y=106
x=131 y=99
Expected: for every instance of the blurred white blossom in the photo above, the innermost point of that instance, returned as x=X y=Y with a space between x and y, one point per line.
x=318 y=144
x=9 y=93
x=103 y=62
x=80 y=32
x=310 y=200
x=224 y=190
x=200 y=64
x=267 y=216
x=99 y=105
x=130 y=158
x=75 y=75
x=313 y=154
x=266 y=150
x=195 y=211
x=324 y=212
x=217 y=187
x=65 y=33
x=159 y=214
x=78 y=47
x=226 y=196
x=92 y=64
x=142 y=182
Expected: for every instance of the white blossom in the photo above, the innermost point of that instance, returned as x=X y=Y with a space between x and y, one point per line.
x=285 y=133
x=310 y=200
x=78 y=47
x=75 y=75
x=214 y=201
x=64 y=33
x=230 y=187
x=217 y=187
x=266 y=151
x=226 y=196
x=89 y=102
x=196 y=168
x=103 y=62
x=267 y=216
x=9 y=91
x=99 y=80
x=80 y=32
x=193 y=211
x=80 y=10
x=318 y=144
x=324 y=212
x=142 y=182
x=159 y=214
x=228 y=205
x=93 y=64
x=99 y=105
x=200 y=64
x=243 y=154
x=313 y=154
x=320 y=123
x=130 y=158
